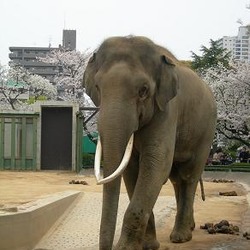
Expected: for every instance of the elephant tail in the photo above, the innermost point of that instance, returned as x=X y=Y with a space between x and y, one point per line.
x=202 y=190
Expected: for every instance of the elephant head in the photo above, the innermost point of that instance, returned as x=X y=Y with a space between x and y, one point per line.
x=129 y=79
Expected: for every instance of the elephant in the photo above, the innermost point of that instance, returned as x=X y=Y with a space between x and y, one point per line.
x=156 y=122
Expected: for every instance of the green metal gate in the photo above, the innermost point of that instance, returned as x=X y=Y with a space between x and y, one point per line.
x=18 y=141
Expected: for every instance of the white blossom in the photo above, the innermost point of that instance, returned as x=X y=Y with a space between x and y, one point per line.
x=231 y=89
x=18 y=86
x=70 y=66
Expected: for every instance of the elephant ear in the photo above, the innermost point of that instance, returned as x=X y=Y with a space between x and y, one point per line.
x=168 y=83
x=89 y=83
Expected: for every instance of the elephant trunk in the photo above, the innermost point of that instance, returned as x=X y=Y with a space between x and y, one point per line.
x=114 y=137
x=112 y=156
x=109 y=213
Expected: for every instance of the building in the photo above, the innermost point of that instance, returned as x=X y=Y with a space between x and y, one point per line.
x=48 y=138
x=69 y=39
x=239 y=45
x=27 y=56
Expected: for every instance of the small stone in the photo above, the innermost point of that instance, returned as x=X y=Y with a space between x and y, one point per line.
x=236 y=229
x=84 y=183
x=208 y=225
x=246 y=234
x=225 y=229
x=224 y=223
x=211 y=230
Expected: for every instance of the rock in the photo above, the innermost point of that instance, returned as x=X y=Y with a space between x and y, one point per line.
x=223 y=223
x=246 y=234
x=235 y=229
x=222 y=181
x=225 y=229
x=222 y=227
x=211 y=230
x=84 y=183
x=78 y=182
x=208 y=225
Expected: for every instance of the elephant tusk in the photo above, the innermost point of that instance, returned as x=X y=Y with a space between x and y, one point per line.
x=98 y=156
x=121 y=167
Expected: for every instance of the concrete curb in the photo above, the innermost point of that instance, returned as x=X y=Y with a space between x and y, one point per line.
x=21 y=230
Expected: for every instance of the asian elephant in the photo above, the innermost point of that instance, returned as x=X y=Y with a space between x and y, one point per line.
x=163 y=115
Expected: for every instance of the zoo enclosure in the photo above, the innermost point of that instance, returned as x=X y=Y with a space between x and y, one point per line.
x=21 y=138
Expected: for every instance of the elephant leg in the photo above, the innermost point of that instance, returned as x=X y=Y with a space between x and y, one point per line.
x=185 y=177
x=130 y=177
x=150 y=241
x=138 y=223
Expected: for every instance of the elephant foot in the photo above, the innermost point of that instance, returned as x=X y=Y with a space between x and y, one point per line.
x=180 y=236
x=128 y=247
x=151 y=244
x=147 y=245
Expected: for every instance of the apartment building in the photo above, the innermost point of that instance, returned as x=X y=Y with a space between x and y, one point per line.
x=239 y=45
x=27 y=56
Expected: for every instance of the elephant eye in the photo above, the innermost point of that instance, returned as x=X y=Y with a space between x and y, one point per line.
x=97 y=87
x=143 y=92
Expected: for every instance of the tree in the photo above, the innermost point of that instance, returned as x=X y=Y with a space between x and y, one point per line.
x=211 y=57
x=17 y=85
x=71 y=65
x=231 y=87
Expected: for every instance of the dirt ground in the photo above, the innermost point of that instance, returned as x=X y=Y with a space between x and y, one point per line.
x=21 y=187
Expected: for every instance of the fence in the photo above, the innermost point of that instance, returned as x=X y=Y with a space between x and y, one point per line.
x=18 y=141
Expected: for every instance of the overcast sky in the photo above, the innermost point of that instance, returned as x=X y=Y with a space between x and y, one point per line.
x=180 y=25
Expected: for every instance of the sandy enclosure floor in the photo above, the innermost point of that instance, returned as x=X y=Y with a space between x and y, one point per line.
x=22 y=187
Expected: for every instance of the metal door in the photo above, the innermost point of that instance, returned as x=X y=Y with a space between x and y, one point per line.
x=56 y=138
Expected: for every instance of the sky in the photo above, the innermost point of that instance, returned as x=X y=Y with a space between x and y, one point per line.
x=181 y=26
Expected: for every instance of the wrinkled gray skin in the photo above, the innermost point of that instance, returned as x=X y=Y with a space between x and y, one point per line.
x=141 y=88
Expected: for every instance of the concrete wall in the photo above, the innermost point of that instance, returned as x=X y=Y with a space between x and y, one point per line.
x=38 y=108
x=23 y=229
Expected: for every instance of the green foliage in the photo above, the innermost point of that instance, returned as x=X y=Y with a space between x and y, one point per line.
x=235 y=167
x=88 y=160
x=33 y=99
x=211 y=57
x=240 y=164
x=232 y=147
